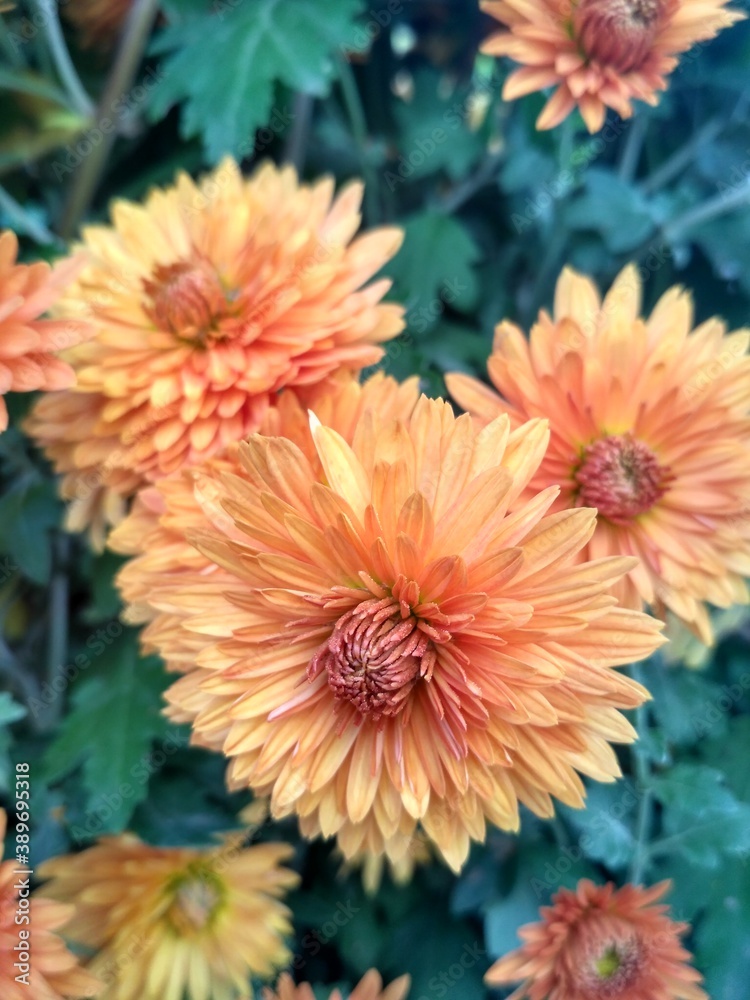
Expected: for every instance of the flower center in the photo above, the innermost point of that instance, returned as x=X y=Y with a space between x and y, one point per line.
x=194 y=902
x=618 y=33
x=608 y=963
x=614 y=970
x=375 y=657
x=187 y=299
x=621 y=477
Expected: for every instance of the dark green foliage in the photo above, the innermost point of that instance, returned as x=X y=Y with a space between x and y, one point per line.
x=492 y=210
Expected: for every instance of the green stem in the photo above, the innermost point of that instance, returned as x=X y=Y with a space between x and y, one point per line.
x=721 y=204
x=464 y=192
x=135 y=36
x=75 y=90
x=631 y=153
x=21 y=680
x=682 y=158
x=548 y=266
x=295 y=146
x=8 y=47
x=358 y=122
x=23 y=222
x=58 y=623
x=642 y=770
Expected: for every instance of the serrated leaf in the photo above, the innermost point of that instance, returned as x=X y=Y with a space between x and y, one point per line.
x=702 y=818
x=733 y=765
x=685 y=705
x=27 y=512
x=722 y=944
x=429 y=127
x=434 y=269
x=258 y=44
x=614 y=209
x=115 y=717
x=605 y=826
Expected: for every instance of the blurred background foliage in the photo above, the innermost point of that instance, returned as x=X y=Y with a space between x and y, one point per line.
x=391 y=90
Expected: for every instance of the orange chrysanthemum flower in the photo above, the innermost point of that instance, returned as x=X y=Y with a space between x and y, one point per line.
x=155 y=532
x=98 y=21
x=168 y=923
x=207 y=301
x=28 y=343
x=47 y=970
x=370 y=987
x=395 y=648
x=598 y=54
x=650 y=424
x=599 y=942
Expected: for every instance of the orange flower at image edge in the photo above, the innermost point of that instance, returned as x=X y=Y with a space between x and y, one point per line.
x=598 y=53
x=206 y=301
x=166 y=923
x=370 y=987
x=598 y=942
x=650 y=424
x=489 y=645
x=51 y=972
x=27 y=343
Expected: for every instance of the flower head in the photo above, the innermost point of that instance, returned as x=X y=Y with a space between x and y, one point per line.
x=599 y=53
x=172 y=922
x=401 y=641
x=54 y=972
x=207 y=301
x=27 y=343
x=601 y=942
x=370 y=987
x=156 y=530
x=650 y=424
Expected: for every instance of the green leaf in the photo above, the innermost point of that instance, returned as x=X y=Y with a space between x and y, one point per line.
x=686 y=705
x=735 y=737
x=10 y=711
x=605 y=826
x=445 y=957
x=612 y=208
x=228 y=89
x=702 y=818
x=726 y=246
x=434 y=269
x=430 y=126
x=115 y=717
x=105 y=598
x=27 y=512
x=722 y=944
